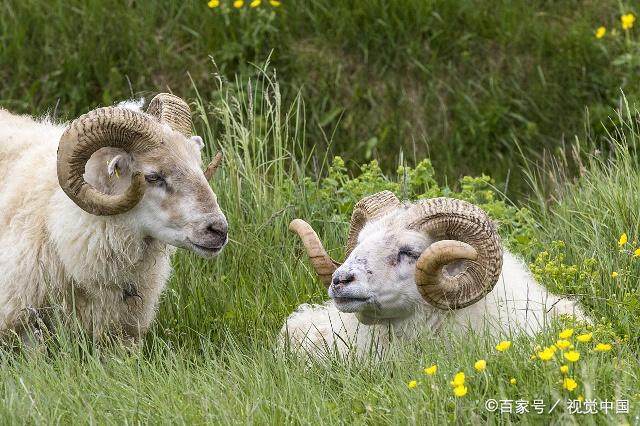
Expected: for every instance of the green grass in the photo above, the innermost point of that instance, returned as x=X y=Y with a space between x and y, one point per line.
x=210 y=356
x=437 y=78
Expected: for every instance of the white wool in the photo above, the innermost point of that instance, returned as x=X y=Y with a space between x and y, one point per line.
x=132 y=104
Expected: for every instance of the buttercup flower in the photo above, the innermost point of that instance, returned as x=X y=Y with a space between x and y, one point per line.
x=275 y=3
x=412 y=384
x=503 y=346
x=565 y=334
x=480 y=365
x=564 y=369
x=580 y=398
x=213 y=3
x=513 y=381
x=623 y=239
x=458 y=380
x=572 y=356
x=255 y=3
x=602 y=347
x=430 y=371
x=636 y=252
x=238 y=4
x=569 y=384
x=614 y=274
x=563 y=344
x=460 y=391
x=600 y=32
x=627 y=21
x=584 y=338
x=546 y=354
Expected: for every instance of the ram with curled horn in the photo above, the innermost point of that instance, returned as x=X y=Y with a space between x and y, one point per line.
x=93 y=209
x=415 y=268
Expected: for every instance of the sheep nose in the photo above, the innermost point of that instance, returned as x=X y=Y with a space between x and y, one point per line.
x=217 y=231
x=343 y=279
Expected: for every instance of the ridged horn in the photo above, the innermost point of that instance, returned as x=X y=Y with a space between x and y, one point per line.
x=322 y=263
x=115 y=127
x=367 y=209
x=467 y=234
x=172 y=110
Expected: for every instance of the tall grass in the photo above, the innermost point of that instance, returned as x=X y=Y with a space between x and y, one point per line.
x=211 y=358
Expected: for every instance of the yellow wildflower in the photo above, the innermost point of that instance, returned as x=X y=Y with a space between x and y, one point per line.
x=546 y=354
x=513 y=381
x=412 y=384
x=602 y=347
x=255 y=3
x=584 y=338
x=569 y=384
x=503 y=346
x=460 y=391
x=458 y=380
x=553 y=348
x=532 y=357
x=480 y=365
x=213 y=3
x=627 y=21
x=275 y=3
x=563 y=344
x=564 y=369
x=238 y=4
x=430 y=371
x=580 y=398
x=565 y=334
x=623 y=239
x=636 y=252
x=614 y=274
x=600 y=32
x=572 y=356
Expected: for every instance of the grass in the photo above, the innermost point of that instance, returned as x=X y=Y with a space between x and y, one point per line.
x=210 y=356
x=440 y=79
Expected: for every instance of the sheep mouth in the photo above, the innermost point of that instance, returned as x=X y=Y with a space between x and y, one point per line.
x=351 y=304
x=206 y=251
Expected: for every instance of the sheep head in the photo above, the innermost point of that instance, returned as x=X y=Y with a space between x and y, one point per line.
x=147 y=166
x=443 y=251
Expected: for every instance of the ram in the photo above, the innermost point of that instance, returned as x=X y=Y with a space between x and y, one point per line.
x=419 y=268
x=90 y=213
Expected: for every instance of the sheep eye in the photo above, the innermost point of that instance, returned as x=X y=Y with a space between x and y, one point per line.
x=407 y=252
x=154 y=179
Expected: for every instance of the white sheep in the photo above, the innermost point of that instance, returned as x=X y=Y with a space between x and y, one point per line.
x=89 y=212
x=418 y=268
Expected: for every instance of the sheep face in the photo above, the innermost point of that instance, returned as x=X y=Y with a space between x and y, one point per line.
x=178 y=206
x=377 y=280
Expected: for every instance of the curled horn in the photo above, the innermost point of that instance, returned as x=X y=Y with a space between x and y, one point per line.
x=322 y=263
x=172 y=110
x=467 y=234
x=115 y=127
x=176 y=113
x=369 y=208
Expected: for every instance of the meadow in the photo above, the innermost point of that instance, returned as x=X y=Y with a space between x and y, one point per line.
x=436 y=79
x=211 y=356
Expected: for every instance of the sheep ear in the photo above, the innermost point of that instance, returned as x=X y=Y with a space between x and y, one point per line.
x=198 y=141
x=119 y=165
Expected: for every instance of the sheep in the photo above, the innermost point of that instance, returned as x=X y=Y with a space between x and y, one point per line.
x=91 y=212
x=430 y=267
